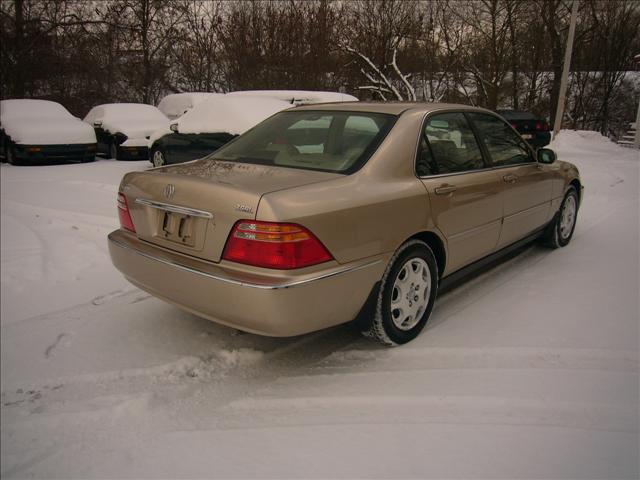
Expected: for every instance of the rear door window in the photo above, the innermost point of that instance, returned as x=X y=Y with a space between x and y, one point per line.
x=448 y=145
x=505 y=147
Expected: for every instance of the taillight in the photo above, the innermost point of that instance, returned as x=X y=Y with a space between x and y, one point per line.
x=514 y=125
x=282 y=246
x=538 y=125
x=123 y=213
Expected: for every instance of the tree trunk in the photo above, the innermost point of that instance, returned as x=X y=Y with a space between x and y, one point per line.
x=18 y=89
x=550 y=14
x=146 y=61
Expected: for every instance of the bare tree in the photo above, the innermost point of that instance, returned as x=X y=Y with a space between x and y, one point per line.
x=377 y=33
x=197 y=55
x=153 y=27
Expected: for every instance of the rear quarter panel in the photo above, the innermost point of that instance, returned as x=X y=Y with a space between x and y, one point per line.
x=369 y=212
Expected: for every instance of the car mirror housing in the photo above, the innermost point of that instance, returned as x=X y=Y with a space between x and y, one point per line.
x=97 y=123
x=174 y=127
x=546 y=156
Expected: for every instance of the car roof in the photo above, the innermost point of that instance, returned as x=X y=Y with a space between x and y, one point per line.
x=392 y=108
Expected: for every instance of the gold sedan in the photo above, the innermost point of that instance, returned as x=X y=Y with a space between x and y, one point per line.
x=330 y=213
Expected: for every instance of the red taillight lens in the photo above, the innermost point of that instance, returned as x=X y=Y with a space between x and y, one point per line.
x=282 y=246
x=123 y=213
x=514 y=125
x=539 y=126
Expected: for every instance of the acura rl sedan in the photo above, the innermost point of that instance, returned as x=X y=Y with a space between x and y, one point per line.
x=324 y=214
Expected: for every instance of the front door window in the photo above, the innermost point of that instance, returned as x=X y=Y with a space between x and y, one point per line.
x=448 y=146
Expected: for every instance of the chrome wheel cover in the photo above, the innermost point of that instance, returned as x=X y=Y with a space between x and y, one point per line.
x=568 y=217
x=410 y=293
x=158 y=159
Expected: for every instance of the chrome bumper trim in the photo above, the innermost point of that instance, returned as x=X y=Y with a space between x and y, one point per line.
x=174 y=208
x=238 y=282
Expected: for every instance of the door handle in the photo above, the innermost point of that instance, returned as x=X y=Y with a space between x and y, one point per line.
x=510 y=178
x=445 y=189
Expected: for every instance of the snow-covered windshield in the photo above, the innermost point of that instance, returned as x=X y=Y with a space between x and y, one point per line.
x=234 y=115
x=132 y=111
x=35 y=109
x=333 y=141
x=176 y=104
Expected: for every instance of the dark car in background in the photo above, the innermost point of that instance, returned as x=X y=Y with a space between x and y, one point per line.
x=534 y=130
x=208 y=126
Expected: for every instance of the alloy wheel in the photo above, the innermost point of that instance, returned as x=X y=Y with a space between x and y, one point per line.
x=410 y=295
x=568 y=217
x=158 y=159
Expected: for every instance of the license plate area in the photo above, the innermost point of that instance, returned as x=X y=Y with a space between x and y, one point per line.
x=177 y=228
x=527 y=136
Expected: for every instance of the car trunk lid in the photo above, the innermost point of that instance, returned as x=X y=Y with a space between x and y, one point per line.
x=191 y=208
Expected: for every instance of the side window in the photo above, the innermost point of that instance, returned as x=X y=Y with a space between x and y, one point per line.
x=448 y=146
x=504 y=145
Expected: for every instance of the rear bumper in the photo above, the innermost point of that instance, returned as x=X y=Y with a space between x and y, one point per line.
x=133 y=153
x=73 y=152
x=286 y=304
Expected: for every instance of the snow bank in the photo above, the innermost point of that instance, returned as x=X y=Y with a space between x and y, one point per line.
x=298 y=97
x=232 y=115
x=572 y=140
x=41 y=122
x=176 y=104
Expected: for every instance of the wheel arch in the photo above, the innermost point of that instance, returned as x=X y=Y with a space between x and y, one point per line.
x=437 y=245
x=578 y=186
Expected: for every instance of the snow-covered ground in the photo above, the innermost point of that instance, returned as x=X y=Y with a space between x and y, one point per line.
x=529 y=370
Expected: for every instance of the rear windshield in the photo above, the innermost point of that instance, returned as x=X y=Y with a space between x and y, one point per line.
x=338 y=142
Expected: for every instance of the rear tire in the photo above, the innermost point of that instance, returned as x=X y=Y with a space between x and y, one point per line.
x=407 y=293
x=560 y=230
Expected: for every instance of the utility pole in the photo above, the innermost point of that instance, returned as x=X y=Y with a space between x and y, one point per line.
x=565 y=69
x=636 y=139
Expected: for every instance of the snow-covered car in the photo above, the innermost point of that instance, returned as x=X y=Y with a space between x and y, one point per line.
x=208 y=126
x=39 y=130
x=323 y=214
x=123 y=129
x=298 y=97
x=175 y=105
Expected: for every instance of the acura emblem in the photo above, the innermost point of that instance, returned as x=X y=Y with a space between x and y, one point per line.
x=169 y=190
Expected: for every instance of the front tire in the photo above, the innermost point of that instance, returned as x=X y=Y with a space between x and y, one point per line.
x=560 y=230
x=407 y=293
x=157 y=158
x=113 y=150
x=10 y=154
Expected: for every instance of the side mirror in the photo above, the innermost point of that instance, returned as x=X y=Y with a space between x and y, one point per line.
x=546 y=156
x=97 y=123
x=174 y=127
